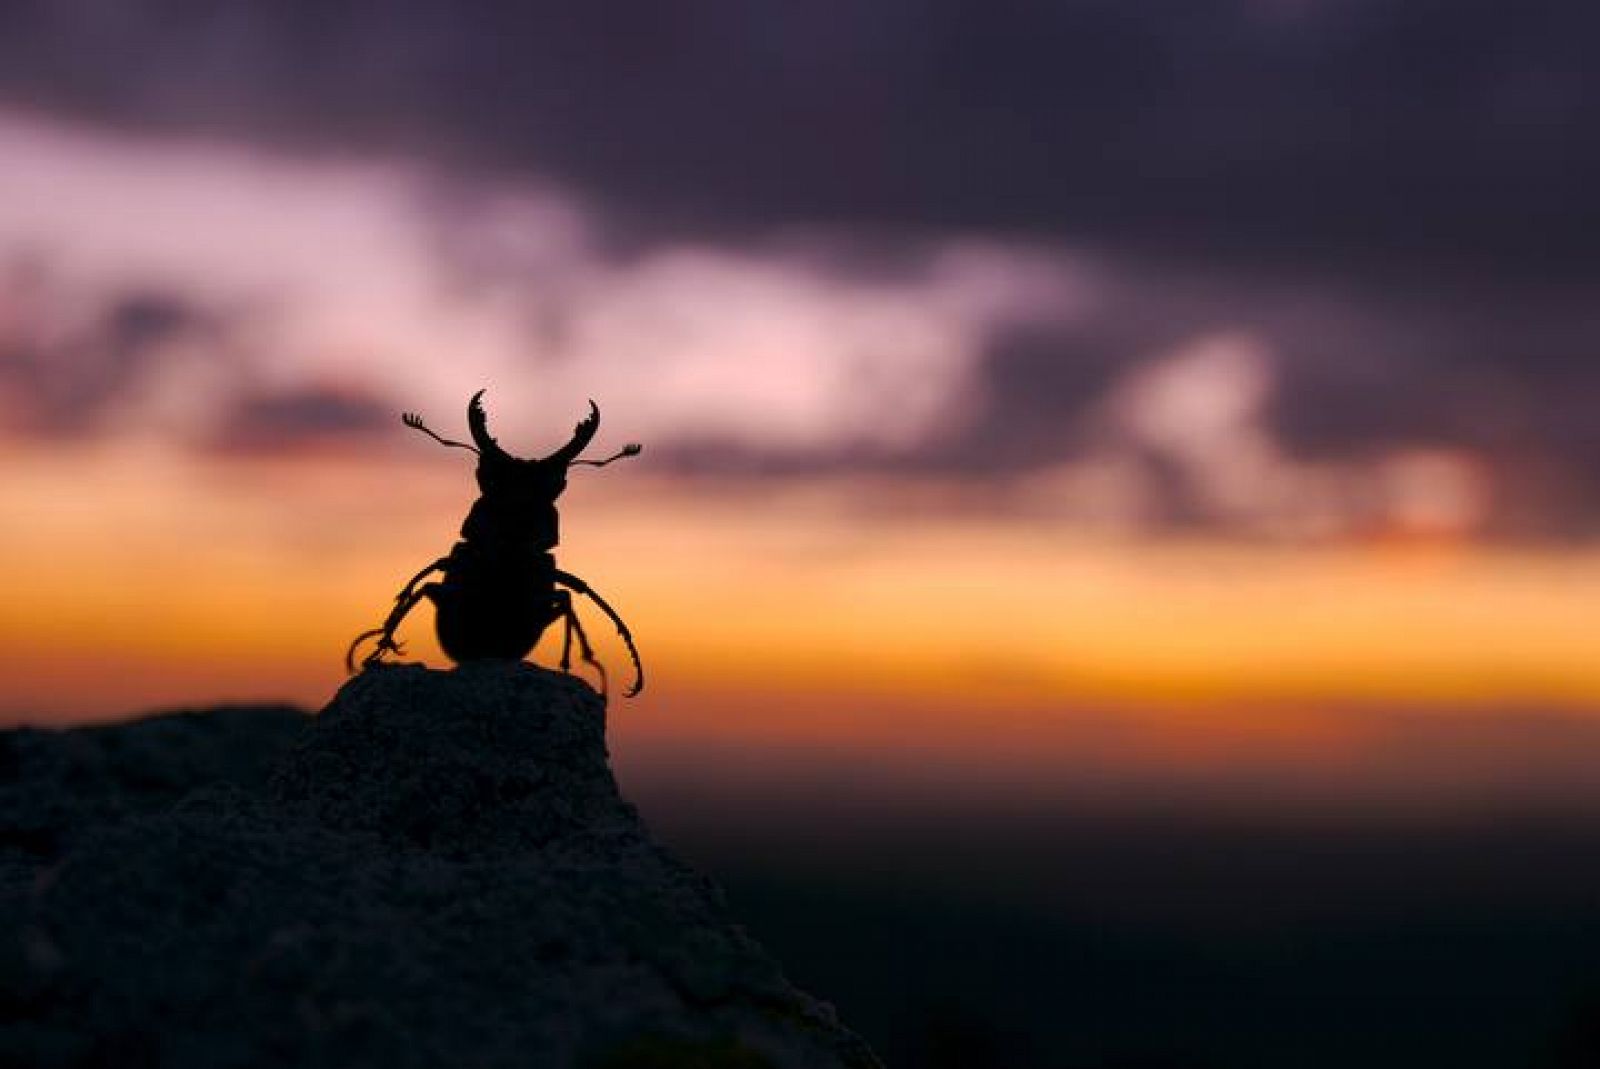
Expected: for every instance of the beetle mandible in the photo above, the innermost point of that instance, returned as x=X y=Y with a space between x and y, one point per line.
x=500 y=587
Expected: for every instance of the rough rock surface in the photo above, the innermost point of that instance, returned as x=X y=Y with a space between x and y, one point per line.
x=438 y=871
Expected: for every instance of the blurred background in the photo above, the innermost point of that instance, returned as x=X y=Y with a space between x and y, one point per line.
x=1117 y=523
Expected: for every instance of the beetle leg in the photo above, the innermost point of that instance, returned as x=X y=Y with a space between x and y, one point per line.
x=574 y=626
x=404 y=602
x=405 y=591
x=563 y=605
x=386 y=643
x=350 y=654
x=567 y=579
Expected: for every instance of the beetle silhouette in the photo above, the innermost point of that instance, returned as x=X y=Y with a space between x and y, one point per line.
x=500 y=588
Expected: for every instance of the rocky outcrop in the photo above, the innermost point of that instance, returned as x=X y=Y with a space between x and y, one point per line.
x=438 y=871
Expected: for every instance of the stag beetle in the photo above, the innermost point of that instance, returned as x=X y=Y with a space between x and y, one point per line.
x=501 y=588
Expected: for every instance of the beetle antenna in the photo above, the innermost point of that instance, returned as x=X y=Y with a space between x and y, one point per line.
x=632 y=449
x=414 y=421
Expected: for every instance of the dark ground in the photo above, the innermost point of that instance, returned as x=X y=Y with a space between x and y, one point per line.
x=957 y=931
x=1194 y=946
x=951 y=937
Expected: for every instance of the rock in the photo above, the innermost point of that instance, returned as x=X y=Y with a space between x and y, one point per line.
x=55 y=783
x=439 y=871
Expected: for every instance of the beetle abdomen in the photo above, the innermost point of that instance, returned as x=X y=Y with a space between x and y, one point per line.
x=492 y=609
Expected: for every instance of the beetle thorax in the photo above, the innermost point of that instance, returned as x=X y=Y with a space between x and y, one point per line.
x=517 y=509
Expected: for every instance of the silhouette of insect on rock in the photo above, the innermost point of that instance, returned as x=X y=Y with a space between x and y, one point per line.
x=499 y=588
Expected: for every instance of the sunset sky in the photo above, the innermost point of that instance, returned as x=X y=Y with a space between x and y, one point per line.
x=1082 y=394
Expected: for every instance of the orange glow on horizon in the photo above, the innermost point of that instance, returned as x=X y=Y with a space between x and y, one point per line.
x=268 y=566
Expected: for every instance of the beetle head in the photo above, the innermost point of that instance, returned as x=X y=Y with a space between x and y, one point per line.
x=501 y=473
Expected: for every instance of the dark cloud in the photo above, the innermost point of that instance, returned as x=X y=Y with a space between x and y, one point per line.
x=1355 y=376
x=284 y=420
x=1346 y=130
x=70 y=358
x=62 y=371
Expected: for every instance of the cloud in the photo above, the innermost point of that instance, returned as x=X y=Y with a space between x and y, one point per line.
x=1350 y=131
x=261 y=300
x=1358 y=375
x=1187 y=436
x=376 y=278
x=64 y=367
